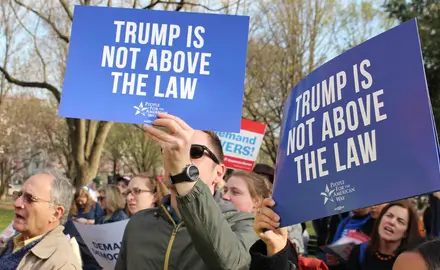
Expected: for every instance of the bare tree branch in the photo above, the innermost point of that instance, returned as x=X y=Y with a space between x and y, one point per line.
x=62 y=36
x=134 y=3
x=80 y=140
x=67 y=9
x=180 y=5
x=152 y=4
x=98 y=145
x=155 y=2
x=91 y=133
x=44 y=85
x=34 y=39
x=7 y=35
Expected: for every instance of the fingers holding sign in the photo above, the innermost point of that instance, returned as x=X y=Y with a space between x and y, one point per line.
x=266 y=226
x=176 y=143
x=266 y=218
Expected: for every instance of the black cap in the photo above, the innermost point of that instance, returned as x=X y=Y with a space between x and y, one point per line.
x=124 y=179
x=264 y=170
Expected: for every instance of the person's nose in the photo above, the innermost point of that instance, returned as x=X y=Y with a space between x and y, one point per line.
x=130 y=197
x=226 y=197
x=19 y=203
x=393 y=222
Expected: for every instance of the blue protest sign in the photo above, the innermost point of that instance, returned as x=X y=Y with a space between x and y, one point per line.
x=125 y=65
x=358 y=131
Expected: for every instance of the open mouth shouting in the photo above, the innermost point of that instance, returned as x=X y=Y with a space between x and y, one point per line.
x=19 y=217
x=388 y=229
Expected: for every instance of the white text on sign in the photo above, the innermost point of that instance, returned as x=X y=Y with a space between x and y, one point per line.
x=190 y=64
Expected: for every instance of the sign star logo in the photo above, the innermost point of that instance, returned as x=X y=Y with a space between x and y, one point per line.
x=327 y=194
x=140 y=109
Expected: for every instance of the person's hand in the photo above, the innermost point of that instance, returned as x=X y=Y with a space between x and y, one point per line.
x=266 y=219
x=331 y=259
x=176 y=144
x=81 y=220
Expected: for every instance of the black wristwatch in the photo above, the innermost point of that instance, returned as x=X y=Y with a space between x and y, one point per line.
x=189 y=174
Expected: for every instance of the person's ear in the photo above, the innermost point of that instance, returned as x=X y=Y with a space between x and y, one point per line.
x=58 y=213
x=220 y=171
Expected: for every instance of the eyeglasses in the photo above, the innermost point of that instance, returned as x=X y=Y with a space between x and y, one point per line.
x=135 y=191
x=27 y=198
x=197 y=151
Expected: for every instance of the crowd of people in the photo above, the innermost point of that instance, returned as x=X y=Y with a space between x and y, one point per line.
x=200 y=215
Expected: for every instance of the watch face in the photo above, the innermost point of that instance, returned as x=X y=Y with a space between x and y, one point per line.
x=193 y=172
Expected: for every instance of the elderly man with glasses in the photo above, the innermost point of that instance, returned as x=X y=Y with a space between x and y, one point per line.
x=194 y=229
x=41 y=207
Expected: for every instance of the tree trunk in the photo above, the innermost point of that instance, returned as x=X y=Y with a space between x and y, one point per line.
x=3 y=190
x=87 y=138
x=115 y=164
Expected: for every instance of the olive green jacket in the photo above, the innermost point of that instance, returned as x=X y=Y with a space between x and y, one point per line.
x=212 y=235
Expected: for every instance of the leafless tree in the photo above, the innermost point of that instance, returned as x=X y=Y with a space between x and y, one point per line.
x=128 y=146
x=86 y=138
x=288 y=40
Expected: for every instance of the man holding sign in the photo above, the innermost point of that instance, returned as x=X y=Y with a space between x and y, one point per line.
x=196 y=229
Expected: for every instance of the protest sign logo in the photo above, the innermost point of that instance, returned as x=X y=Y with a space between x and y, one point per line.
x=358 y=131
x=241 y=149
x=126 y=65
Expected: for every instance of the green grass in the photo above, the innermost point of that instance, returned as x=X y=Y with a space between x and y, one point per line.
x=6 y=216
x=310 y=229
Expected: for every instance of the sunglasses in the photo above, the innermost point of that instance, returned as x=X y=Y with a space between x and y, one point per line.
x=27 y=198
x=197 y=151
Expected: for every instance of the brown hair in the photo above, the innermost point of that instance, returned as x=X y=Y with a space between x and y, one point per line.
x=158 y=187
x=412 y=237
x=115 y=200
x=216 y=144
x=79 y=193
x=259 y=187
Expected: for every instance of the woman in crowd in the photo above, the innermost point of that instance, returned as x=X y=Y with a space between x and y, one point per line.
x=425 y=257
x=113 y=204
x=246 y=190
x=395 y=231
x=144 y=191
x=83 y=207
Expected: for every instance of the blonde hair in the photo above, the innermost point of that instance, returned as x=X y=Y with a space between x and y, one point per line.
x=158 y=187
x=115 y=200
x=259 y=187
x=80 y=193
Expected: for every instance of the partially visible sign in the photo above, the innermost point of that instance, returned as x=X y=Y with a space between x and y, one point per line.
x=241 y=149
x=104 y=241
